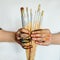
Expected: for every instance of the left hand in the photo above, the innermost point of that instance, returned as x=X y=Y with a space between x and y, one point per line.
x=41 y=36
x=23 y=38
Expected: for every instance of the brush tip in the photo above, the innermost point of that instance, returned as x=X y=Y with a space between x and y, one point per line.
x=21 y=8
x=39 y=7
x=42 y=13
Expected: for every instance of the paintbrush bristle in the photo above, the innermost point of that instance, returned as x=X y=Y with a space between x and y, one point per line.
x=39 y=7
x=42 y=13
x=22 y=10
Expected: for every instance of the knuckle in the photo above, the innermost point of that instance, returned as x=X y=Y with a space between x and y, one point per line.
x=47 y=30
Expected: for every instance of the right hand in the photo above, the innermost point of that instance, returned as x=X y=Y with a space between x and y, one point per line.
x=21 y=36
x=42 y=37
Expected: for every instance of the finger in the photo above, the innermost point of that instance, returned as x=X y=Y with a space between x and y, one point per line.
x=24 y=35
x=41 y=39
x=40 y=31
x=37 y=39
x=45 y=31
x=36 y=31
x=17 y=35
x=40 y=35
x=23 y=30
x=35 y=35
x=44 y=44
x=18 y=38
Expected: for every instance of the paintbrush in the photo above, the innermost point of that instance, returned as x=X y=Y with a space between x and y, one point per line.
x=22 y=15
x=41 y=17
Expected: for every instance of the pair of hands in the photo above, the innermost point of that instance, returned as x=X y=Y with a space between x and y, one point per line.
x=40 y=36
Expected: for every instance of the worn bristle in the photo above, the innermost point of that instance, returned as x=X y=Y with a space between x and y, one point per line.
x=39 y=7
x=42 y=13
x=22 y=8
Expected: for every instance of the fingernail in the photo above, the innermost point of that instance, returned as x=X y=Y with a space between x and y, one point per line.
x=33 y=38
x=18 y=38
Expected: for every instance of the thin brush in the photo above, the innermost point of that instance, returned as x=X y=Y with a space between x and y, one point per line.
x=22 y=15
x=27 y=14
x=29 y=27
x=38 y=8
x=31 y=19
x=30 y=30
x=41 y=17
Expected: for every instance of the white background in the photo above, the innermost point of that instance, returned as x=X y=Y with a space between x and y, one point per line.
x=10 y=20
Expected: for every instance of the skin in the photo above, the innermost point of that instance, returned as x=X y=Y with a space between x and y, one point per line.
x=43 y=37
x=23 y=33
x=7 y=36
x=40 y=36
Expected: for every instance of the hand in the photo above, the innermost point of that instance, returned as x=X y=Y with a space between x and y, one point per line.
x=41 y=36
x=23 y=37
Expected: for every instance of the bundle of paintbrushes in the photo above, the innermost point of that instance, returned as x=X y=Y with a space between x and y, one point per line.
x=31 y=24
x=27 y=24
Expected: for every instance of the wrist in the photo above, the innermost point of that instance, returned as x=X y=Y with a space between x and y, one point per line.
x=52 y=39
